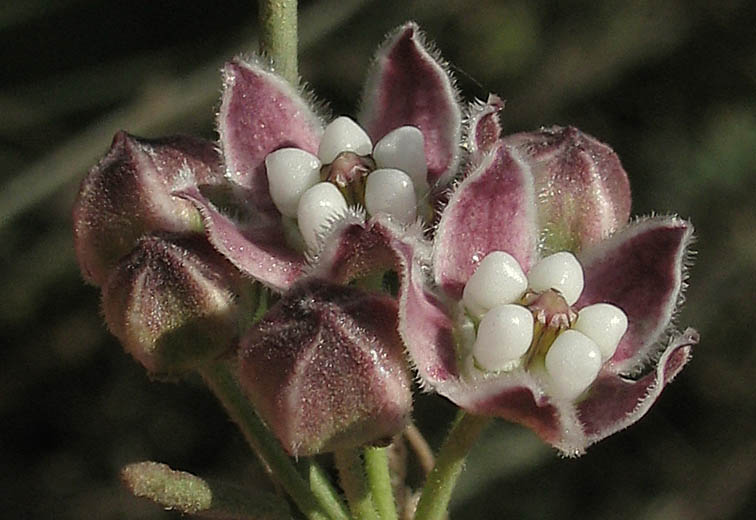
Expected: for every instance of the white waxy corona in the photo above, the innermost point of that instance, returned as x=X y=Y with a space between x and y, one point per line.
x=560 y=271
x=572 y=364
x=390 y=191
x=605 y=324
x=504 y=336
x=317 y=207
x=291 y=172
x=499 y=279
x=404 y=149
x=343 y=135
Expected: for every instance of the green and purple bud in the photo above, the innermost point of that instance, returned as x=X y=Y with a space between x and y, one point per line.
x=173 y=304
x=130 y=193
x=325 y=369
x=581 y=191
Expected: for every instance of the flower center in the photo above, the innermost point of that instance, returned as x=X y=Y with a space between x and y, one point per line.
x=389 y=178
x=530 y=321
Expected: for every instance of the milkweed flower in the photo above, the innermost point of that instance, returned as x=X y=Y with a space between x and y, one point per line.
x=538 y=302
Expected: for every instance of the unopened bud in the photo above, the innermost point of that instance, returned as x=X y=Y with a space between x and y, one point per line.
x=129 y=193
x=581 y=189
x=171 y=304
x=325 y=369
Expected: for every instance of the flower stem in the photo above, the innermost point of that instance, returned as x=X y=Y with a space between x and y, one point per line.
x=379 y=480
x=354 y=484
x=220 y=379
x=327 y=496
x=278 y=35
x=451 y=458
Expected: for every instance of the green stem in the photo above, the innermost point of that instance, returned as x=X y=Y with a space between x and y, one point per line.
x=379 y=480
x=352 y=477
x=278 y=35
x=220 y=379
x=434 y=500
x=327 y=496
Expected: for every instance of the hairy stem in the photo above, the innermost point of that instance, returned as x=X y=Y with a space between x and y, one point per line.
x=220 y=378
x=379 y=480
x=451 y=458
x=325 y=493
x=278 y=35
x=354 y=484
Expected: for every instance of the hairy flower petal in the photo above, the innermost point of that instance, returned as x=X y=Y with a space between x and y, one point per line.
x=261 y=112
x=615 y=402
x=409 y=85
x=491 y=210
x=641 y=271
x=253 y=243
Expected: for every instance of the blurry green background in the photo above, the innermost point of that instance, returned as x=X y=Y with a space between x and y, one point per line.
x=670 y=84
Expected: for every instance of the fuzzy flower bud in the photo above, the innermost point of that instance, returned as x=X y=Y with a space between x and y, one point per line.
x=129 y=193
x=582 y=192
x=171 y=304
x=325 y=369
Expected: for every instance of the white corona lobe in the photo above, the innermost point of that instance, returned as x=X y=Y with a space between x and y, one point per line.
x=572 y=364
x=390 y=191
x=605 y=324
x=498 y=280
x=343 y=135
x=504 y=335
x=291 y=172
x=404 y=149
x=318 y=205
x=560 y=271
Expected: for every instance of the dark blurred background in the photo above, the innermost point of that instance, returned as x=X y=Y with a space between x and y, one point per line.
x=670 y=84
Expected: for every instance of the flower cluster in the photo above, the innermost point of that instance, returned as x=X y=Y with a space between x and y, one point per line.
x=523 y=291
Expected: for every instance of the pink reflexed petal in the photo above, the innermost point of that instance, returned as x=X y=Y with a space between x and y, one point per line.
x=640 y=270
x=615 y=403
x=408 y=85
x=353 y=248
x=491 y=210
x=260 y=112
x=517 y=397
x=483 y=127
x=257 y=247
x=581 y=189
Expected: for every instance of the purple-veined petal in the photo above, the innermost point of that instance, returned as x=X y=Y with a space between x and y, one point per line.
x=615 y=403
x=408 y=85
x=128 y=193
x=491 y=210
x=260 y=112
x=255 y=246
x=640 y=270
x=582 y=191
x=483 y=127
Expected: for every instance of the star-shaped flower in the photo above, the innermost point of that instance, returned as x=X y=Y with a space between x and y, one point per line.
x=542 y=305
x=297 y=179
